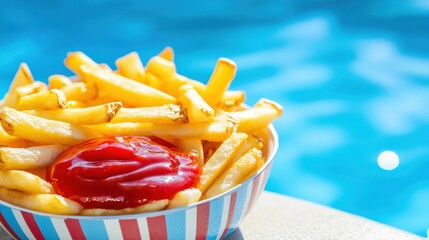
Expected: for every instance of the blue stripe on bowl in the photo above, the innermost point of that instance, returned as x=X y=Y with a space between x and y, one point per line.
x=174 y=230
x=46 y=227
x=215 y=218
x=11 y=220
x=93 y=229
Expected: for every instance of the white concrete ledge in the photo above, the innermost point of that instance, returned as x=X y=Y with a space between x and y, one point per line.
x=279 y=217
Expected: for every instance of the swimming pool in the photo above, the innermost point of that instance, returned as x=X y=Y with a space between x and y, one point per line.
x=353 y=77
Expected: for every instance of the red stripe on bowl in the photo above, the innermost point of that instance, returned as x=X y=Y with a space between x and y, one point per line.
x=157 y=227
x=130 y=229
x=75 y=229
x=32 y=225
x=203 y=216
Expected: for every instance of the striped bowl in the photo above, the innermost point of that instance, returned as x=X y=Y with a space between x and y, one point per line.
x=213 y=218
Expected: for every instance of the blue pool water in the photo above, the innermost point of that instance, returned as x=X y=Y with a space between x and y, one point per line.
x=353 y=77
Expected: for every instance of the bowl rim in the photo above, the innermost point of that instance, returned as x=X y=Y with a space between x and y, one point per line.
x=271 y=133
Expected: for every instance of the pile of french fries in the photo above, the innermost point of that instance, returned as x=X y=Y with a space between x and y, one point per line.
x=39 y=121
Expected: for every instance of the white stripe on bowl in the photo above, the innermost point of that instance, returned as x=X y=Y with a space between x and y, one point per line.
x=113 y=229
x=225 y=212
x=61 y=228
x=144 y=229
x=246 y=202
x=191 y=223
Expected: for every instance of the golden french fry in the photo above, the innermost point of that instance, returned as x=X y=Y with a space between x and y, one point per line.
x=52 y=99
x=219 y=81
x=13 y=141
x=49 y=203
x=22 y=78
x=154 y=81
x=105 y=66
x=79 y=91
x=75 y=104
x=236 y=174
x=166 y=71
x=252 y=142
x=43 y=130
x=28 y=158
x=75 y=60
x=229 y=98
x=161 y=67
x=184 y=198
x=232 y=100
x=168 y=113
x=31 y=88
x=153 y=206
x=260 y=116
x=128 y=91
x=167 y=53
x=214 y=131
x=199 y=86
x=130 y=66
x=81 y=116
x=24 y=182
x=58 y=81
x=197 y=109
x=220 y=160
x=191 y=144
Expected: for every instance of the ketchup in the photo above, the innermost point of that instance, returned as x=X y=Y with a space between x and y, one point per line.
x=121 y=172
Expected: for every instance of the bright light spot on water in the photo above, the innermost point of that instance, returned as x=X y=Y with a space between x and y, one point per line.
x=388 y=160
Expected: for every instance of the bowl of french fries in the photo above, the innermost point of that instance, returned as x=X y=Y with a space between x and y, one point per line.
x=228 y=148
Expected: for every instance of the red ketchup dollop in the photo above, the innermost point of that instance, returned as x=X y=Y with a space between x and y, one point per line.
x=121 y=172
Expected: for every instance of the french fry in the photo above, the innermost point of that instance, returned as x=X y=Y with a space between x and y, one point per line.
x=128 y=91
x=166 y=71
x=75 y=60
x=58 y=81
x=81 y=116
x=153 y=206
x=52 y=99
x=43 y=130
x=49 y=203
x=75 y=104
x=214 y=131
x=220 y=160
x=184 y=198
x=236 y=174
x=219 y=81
x=167 y=53
x=24 y=182
x=130 y=66
x=231 y=100
x=31 y=88
x=13 y=141
x=79 y=91
x=22 y=78
x=253 y=142
x=29 y=158
x=192 y=144
x=168 y=113
x=197 y=109
x=262 y=114
x=154 y=81
x=105 y=66
x=228 y=98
